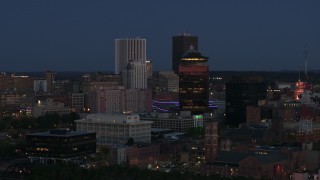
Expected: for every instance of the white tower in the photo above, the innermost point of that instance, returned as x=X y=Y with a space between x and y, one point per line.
x=130 y=61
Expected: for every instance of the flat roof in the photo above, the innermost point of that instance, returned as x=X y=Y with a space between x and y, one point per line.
x=159 y=129
x=67 y=134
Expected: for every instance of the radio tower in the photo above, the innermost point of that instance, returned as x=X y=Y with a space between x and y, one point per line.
x=306 y=61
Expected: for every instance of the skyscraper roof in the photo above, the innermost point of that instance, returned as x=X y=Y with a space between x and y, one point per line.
x=193 y=55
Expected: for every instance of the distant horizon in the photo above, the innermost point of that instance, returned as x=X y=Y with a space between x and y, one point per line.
x=96 y=71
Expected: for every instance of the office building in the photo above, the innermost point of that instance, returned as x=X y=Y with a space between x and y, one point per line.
x=12 y=82
x=119 y=100
x=93 y=82
x=50 y=81
x=163 y=82
x=40 y=86
x=60 y=145
x=178 y=123
x=49 y=106
x=180 y=45
x=116 y=128
x=149 y=68
x=130 y=62
x=10 y=102
x=241 y=93
x=78 y=102
x=193 y=82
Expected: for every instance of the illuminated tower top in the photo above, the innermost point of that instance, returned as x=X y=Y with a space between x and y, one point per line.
x=193 y=55
x=180 y=45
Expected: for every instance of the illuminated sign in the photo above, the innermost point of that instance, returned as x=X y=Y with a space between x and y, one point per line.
x=198 y=116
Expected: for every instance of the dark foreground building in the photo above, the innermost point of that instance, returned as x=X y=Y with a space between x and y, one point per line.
x=60 y=145
x=241 y=93
x=250 y=165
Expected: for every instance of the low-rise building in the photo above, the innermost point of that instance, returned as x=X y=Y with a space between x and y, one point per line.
x=10 y=102
x=49 y=106
x=178 y=123
x=231 y=164
x=143 y=154
x=117 y=154
x=116 y=128
x=60 y=145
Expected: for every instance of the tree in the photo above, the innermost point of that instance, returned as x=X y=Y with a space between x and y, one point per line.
x=130 y=141
x=5 y=123
x=105 y=152
x=196 y=132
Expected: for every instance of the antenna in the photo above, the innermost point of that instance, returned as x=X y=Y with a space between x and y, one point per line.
x=306 y=60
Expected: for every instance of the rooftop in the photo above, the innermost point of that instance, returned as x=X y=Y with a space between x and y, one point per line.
x=113 y=118
x=59 y=133
x=193 y=55
x=233 y=158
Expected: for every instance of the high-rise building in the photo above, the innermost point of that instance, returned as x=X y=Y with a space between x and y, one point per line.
x=241 y=93
x=149 y=67
x=180 y=45
x=50 y=79
x=193 y=82
x=130 y=61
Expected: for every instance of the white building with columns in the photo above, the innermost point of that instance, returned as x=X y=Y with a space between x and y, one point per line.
x=115 y=128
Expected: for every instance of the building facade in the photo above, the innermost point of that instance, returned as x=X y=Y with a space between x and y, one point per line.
x=119 y=100
x=116 y=129
x=13 y=82
x=10 y=102
x=211 y=141
x=163 y=82
x=177 y=123
x=93 y=82
x=130 y=62
x=78 y=102
x=50 y=81
x=240 y=94
x=193 y=82
x=49 y=106
x=60 y=145
x=149 y=67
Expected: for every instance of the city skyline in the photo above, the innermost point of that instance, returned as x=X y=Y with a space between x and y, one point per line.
x=79 y=35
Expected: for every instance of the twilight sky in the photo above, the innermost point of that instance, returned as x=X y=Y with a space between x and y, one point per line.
x=78 y=35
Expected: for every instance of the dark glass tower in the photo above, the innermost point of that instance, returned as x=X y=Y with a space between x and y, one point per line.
x=193 y=82
x=241 y=93
x=180 y=45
